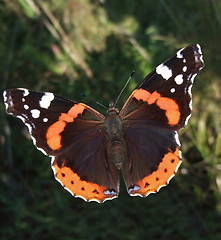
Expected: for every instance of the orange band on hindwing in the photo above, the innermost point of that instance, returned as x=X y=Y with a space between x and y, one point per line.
x=79 y=188
x=161 y=177
x=53 y=134
x=169 y=105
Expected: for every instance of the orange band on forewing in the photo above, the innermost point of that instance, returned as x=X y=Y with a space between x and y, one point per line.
x=53 y=134
x=154 y=96
x=54 y=142
x=66 y=118
x=169 y=105
x=172 y=109
x=141 y=94
x=173 y=116
x=55 y=129
x=75 y=110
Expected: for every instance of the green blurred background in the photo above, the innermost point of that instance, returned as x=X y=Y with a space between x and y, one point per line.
x=91 y=47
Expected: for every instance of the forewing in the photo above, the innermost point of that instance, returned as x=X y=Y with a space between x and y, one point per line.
x=164 y=97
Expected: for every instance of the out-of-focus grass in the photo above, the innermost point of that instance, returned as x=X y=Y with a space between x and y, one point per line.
x=72 y=47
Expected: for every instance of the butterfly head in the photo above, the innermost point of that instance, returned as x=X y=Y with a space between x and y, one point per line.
x=112 y=109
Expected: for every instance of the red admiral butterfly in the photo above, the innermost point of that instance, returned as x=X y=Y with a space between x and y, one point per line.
x=88 y=150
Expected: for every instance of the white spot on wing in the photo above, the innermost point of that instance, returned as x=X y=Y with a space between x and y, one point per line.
x=199 y=48
x=108 y=192
x=179 y=54
x=184 y=68
x=5 y=100
x=179 y=79
x=135 y=188
x=45 y=119
x=172 y=90
x=26 y=107
x=164 y=71
x=26 y=92
x=4 y=96
x=46 y=100
x=35 y=113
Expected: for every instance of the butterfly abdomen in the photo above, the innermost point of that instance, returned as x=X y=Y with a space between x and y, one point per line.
x=117 y=151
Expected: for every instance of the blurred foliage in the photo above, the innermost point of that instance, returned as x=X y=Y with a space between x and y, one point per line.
x=91 y=46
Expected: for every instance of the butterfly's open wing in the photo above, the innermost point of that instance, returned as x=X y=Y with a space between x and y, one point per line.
x=154 y=158
x=156 y=109
x=164 y=96
x=73 y=135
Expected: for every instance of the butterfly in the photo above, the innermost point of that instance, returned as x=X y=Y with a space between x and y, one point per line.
x=88 y=150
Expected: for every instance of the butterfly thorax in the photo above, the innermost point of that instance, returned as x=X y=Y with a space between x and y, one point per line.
x=115 y=140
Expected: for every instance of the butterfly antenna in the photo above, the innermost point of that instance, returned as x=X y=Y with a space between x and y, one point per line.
x=100 y=104
x=131 y=75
